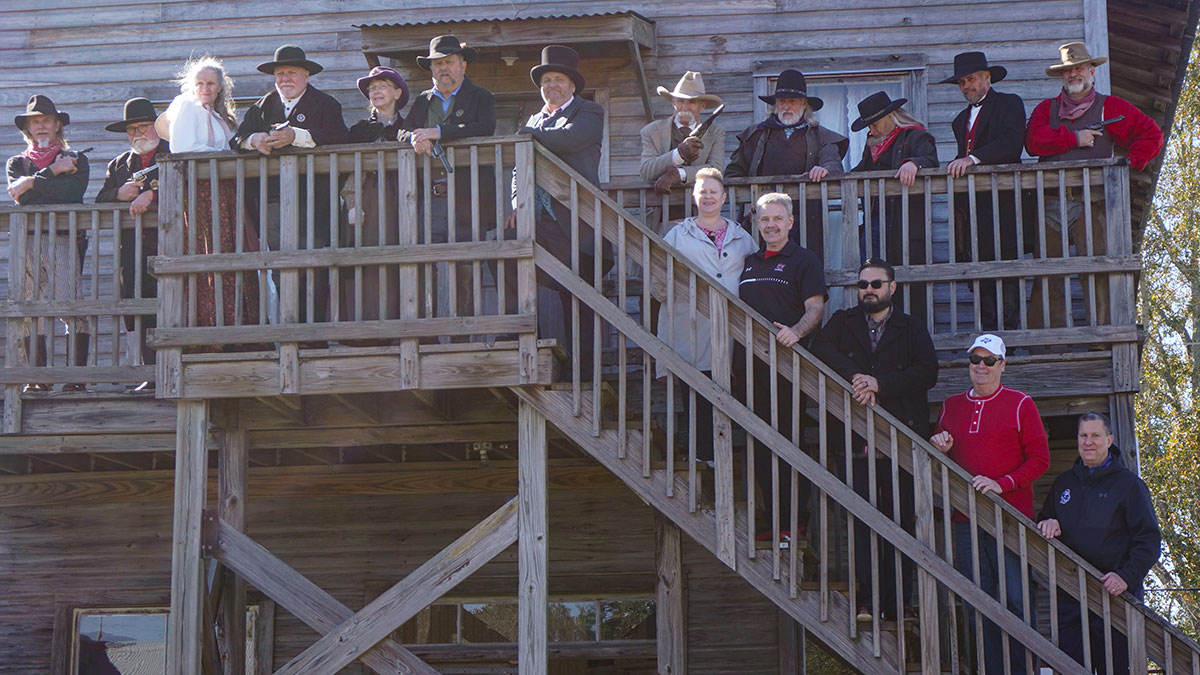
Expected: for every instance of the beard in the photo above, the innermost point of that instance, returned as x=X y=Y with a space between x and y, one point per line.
x=876 y=305
x=789 y=117
x=685 y=118
x=1079 y=87
x=42 y=142
x=143 y=145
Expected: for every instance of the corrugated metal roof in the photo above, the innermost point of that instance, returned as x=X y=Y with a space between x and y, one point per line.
x=568 y=15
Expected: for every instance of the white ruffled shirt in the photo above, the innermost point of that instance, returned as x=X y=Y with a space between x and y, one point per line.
x=195 y=128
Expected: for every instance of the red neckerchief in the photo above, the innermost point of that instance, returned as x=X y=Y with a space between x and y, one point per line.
x=1072 y=109
x=148 y=157
x=43 y=157
x=879 y=148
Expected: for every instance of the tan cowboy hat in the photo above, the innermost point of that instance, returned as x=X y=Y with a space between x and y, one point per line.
x=690 y=87
x=1074 y=54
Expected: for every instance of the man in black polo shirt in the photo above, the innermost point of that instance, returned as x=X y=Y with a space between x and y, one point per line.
x=786 y=284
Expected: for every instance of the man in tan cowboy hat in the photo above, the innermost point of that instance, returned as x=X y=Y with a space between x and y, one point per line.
x=670 y=155
x=1059 y=130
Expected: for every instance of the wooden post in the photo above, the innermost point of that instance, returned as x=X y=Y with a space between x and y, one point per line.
x=526 y=272
x=184 y=624
x=927 y=595
x=792 y=653
x=14 y=328
x=410 y=367
x=169 y=369
x=532 y=542
x=289 y=279
x=670 y=613
x=718 y=312
x=1122 y=308
x=849 y=236
x=231 y=490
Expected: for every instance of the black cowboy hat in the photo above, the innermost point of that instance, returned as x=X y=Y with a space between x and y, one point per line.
x=973 y=62
x=40 y=104
x=791 y=84
x=872 y=109
x=290 y=55
x=136 y=110
x=389 y=74
x=558 y=58
x=444 y=45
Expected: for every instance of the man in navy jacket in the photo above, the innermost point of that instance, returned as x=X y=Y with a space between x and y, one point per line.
x=1102 y=510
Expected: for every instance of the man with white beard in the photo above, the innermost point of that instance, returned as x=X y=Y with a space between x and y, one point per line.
x=144 y=149
x=1059 y=129
x=671 y=156
x=774 y=148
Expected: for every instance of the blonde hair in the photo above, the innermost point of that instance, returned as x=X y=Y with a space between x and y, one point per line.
x=224 y=105
x=904 y=118
x=710 y=172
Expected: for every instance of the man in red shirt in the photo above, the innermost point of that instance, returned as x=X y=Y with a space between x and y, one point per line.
x=996 y=434
x=1059 y=130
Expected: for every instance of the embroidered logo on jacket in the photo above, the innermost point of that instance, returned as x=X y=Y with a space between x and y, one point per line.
x=1065 y=497
x=780 y=267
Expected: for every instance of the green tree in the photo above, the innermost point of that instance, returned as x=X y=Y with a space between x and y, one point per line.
x=1168 y=407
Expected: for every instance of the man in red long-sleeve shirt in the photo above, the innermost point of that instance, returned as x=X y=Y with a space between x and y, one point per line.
x=996 y=434
x=1058 y=130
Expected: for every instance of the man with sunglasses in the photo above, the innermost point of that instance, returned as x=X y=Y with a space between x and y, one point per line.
x=889 y=360
x=996 y=434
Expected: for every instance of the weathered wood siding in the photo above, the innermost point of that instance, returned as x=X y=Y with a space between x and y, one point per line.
x=118 y=554
x=91 y=57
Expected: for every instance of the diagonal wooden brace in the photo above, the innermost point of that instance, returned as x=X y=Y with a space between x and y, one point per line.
x=347 y=642
x=295 y=593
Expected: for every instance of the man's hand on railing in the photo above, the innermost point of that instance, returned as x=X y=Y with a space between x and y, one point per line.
x=942 y=441
x=669 y=179
x=865 y=388
x=1114 y=584
x=958 y=168
x=907 y=173
x=984 y=485
x=786 y=336
x=1049 y=528
x=817 y=173
x=19 y=187
x=261 y=142
x=129 y=191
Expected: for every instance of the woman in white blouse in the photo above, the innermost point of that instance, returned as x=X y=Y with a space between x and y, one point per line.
x=202 y=119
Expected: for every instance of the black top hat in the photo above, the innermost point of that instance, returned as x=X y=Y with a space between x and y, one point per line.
x=973 y=62
x=40 y=104
x=389 y=74
x=562 y=59
x=136 y=110
x=791 y=84
x=290 y=55
x=444 y=45
x=872 y=109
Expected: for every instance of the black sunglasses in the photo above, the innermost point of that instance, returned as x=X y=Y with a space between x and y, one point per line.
x=988 y=361
x=874 y=283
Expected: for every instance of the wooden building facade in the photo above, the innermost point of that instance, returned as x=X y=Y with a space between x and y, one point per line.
x=262 y=497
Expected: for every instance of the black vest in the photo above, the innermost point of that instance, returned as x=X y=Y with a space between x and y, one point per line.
x=1103 y=147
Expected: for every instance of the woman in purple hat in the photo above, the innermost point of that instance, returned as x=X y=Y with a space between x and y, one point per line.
x=202 y=119
x=387 y=91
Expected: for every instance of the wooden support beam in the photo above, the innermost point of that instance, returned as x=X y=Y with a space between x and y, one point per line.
x=792 y=639
x=288 y=407
x=169 y=362
x=533 y=544
x=232 y=468
x=264 y=643
x=304 y=599
x=723 y=435
x=384 y=435
x=441 y=573
x=187 y=580
x=17 y=224
x=670 y=608
x=406 y=187
x=366 y=407
x=639 y=69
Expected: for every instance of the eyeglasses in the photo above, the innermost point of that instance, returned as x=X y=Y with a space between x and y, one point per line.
x=874 y=283
x=988 y=361
x=385 y=86
x=139 y=129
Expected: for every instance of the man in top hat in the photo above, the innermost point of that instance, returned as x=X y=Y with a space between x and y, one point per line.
x=571 y=127
x=454 y=107
x=671 y=156
x=996 y=434
x=48 y=173
x=896 y=141
x=119 y=186
x=1059 y=130
x=790 y=142
x=297 y=114
x=990 y=130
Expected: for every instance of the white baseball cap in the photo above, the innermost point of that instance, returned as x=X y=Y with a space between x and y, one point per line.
x=992 y=343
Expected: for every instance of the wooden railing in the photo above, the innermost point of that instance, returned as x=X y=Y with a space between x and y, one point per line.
x=939 y=486
x=66 y=318
x=340 y=246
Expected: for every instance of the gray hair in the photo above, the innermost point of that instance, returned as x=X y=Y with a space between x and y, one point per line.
x=905 y=118
x=224 y=105
x=774 y=198
x=1091 y=416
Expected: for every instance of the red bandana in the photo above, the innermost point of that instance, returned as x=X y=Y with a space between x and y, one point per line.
x=1071 y=108
x=43 y=157
x=879 y=148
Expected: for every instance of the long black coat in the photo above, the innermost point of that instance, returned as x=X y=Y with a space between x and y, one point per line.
x=905 y=363
x=122 y=168
x=316 y=111
x=575 y=135
x=999 y=129
x=65 y=188
x=910 y=144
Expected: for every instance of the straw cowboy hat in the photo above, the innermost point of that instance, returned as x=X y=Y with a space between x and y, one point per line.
x=690 y=87
x=1074 y=54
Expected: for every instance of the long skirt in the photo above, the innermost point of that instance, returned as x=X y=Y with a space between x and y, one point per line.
x=206 y=295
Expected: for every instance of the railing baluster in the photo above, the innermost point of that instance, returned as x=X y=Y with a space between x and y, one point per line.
x=823 y=503
x=576 y=364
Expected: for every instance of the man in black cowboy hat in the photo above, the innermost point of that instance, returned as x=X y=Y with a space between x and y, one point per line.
x=895 y=142
x=671 y=156
x=144 y=148
x=47 y=172
x=990 y=130
x=571 y=127
x=453 y=108
x=773 y=148
x=297 y=114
